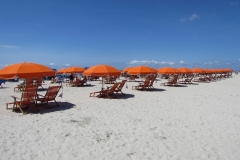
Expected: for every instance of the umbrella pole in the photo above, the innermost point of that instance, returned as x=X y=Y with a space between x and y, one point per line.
x=102 y=83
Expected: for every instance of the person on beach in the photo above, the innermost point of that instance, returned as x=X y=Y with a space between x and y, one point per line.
x=71 y=78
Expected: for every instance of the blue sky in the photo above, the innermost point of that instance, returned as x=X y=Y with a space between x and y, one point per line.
x=122 y=33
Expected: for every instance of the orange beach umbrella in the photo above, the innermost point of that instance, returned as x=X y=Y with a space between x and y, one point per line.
x=102 y=71
x=198 y=70
x=61 y=71
x=26 y=70
x=167 y=70
x=126 y=69
x=75 y=69
x=142 y=70
x=184 y=70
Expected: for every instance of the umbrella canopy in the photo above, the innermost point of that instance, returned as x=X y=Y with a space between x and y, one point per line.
x=126 y=69
x=142 y=70
x=61 y=71
x=198 y=70
x=228 y=69
x=168 y=70
x=185 y=70
x=102 y=70
x=207 y=70
x=74 y=70
x=26 y=70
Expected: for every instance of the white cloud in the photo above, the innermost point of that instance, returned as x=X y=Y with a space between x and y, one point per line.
x=182 y=62
x=235 y=3
x=152 y=62
x=51 y=64
x=207 y=63
x=169 y=63
x=183 y=19
x=143 y=62
x=8 y=46
x=5 y=65
x=213 y=63
x=192 y=17
x=67 y=64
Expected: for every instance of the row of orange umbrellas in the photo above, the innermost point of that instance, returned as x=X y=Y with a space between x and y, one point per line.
x=195 y=70
x=149 y=70
x=28 y=69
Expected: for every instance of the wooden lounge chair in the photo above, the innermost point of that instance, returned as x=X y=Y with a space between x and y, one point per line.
x=49 y=96
x=132 y=78
x=107 y=92
x=119 y=88
x=38 y=82
x=188 y=80
x=74 y=83
x=152 y=81
x=94 y=78
x=143 y=85
x=83 y=82
x=173 y=81
x=26 y=82
x=27 y=99
x=203 y=78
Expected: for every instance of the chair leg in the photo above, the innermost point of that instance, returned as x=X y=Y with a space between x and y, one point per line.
x=20 y=109
x=56 y=102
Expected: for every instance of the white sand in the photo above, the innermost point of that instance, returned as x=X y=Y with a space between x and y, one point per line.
x=175 y=123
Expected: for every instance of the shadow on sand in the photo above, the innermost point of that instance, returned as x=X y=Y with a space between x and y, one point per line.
x=89 y=85
x=51 y=107
x=119 y=96
x=152 y=90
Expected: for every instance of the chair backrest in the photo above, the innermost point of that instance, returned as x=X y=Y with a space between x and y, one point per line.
x=28 y=81
x=153 y=79
x=52 y=92
x=175 y=79
x=77 y=81
x=84 y=79
x=191 y=78
x=146 y=82
x=38 y=81
x=29 y=94
x=112 y=89
x=122 y=84
x=132 y=77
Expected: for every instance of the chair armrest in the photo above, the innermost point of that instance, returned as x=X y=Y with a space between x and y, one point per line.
x=39 y=95
x=15 y=98
x=109 y=87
